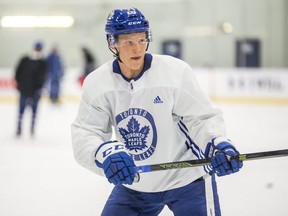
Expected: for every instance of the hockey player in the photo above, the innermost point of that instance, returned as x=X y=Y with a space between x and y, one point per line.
x=160 y=115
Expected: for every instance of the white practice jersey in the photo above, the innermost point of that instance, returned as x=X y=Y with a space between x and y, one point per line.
x=161 y=116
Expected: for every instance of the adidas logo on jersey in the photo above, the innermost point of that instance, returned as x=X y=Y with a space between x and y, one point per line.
x=158 y=100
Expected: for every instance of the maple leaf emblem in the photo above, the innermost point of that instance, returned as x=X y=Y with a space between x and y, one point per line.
x=134 y=137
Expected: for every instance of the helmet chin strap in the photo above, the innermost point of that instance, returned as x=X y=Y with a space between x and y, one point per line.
x=116 y=53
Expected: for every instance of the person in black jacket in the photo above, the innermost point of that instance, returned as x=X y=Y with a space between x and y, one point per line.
x=89 y=64
x=30 y=77
x=89 y=60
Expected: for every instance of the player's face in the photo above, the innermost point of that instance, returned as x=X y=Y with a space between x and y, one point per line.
x=131 y=48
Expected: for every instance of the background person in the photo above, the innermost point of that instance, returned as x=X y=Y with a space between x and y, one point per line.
x=55 y=74
x=89 y=63
x=30 y=76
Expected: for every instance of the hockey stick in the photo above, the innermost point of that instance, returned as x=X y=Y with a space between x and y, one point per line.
x=207 y=161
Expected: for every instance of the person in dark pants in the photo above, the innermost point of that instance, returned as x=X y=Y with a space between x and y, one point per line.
x=55 y=74
x=30 y=77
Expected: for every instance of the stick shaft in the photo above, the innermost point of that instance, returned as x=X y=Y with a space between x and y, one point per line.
x=207 y=161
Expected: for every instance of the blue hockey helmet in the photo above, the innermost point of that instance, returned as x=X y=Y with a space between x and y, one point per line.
x=126 y=21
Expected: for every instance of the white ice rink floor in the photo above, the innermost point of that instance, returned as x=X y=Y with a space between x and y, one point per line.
x=39 y=176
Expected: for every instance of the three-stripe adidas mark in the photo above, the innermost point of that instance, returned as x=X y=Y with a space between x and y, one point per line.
x=158 y=100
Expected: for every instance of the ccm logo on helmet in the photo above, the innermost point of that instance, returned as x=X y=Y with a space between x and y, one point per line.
x=134 y=23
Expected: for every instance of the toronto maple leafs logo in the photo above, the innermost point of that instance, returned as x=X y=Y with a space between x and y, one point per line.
x=137 y=129
x=134 y=136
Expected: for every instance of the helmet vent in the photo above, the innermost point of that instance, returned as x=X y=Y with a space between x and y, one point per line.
x=120 y=18
x=119 y=27
x=131 y=16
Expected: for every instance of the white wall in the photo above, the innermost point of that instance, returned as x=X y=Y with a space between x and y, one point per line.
x=263 y=19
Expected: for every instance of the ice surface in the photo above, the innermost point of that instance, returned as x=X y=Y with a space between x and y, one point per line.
x=39 y=176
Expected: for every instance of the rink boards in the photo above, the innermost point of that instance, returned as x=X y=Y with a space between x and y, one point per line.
x=231 y=86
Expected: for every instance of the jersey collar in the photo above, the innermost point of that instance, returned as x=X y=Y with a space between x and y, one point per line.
x=147 y=64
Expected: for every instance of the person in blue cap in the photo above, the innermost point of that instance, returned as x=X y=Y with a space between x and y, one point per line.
x=30 y=76
x=159 y=114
